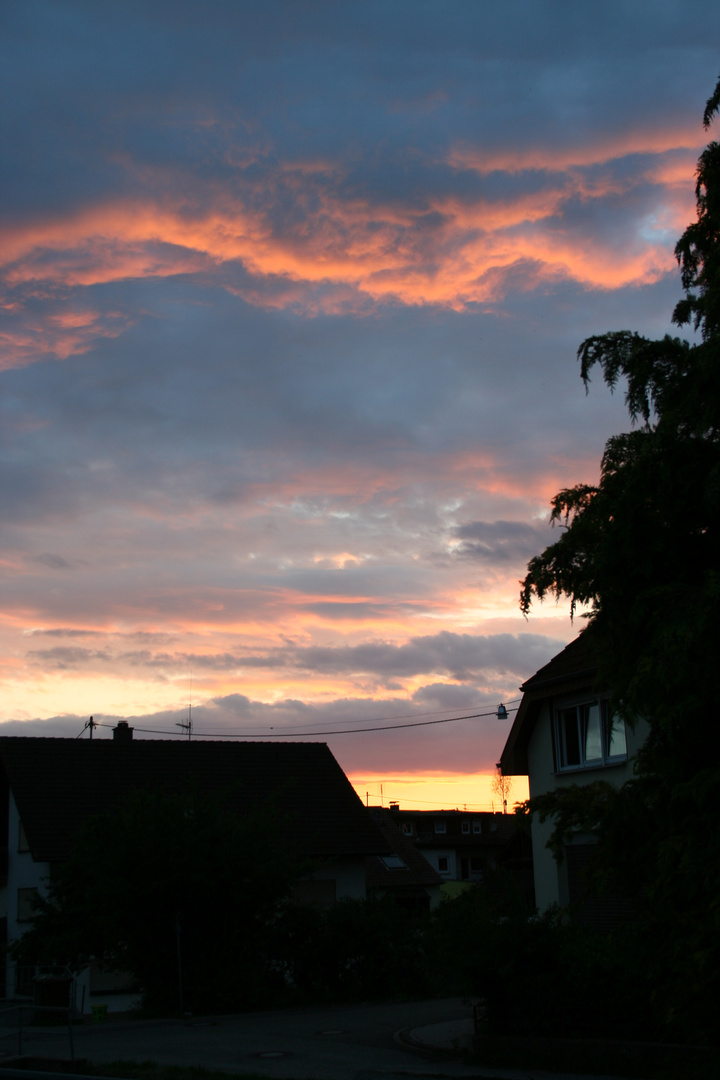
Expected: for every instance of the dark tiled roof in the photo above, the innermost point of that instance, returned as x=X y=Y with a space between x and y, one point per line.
x=417 y=870
x=59 y=783
x=576 y=661
x=572 y=670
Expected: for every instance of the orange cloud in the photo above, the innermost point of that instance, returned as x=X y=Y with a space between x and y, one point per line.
x=599 y=152
x=339 y=254
x=60 y=334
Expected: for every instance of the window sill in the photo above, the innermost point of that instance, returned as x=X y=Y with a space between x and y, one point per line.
x=572 y=770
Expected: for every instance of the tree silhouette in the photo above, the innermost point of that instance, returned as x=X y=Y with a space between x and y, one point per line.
x=501 y=788
x=642 y=550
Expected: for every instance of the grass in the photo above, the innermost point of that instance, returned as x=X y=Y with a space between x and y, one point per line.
x=671 y=1063
x=150 y=1070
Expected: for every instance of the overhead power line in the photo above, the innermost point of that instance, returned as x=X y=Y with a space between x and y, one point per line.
x=302 y=734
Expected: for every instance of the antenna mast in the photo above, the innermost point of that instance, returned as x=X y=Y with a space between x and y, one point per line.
x=187 y=724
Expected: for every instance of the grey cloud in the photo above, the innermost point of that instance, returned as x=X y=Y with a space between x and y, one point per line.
x=54 y=562
x=464 y=656
x=500 y=541
x=65 y=658
x=356 y=609
x=149 y=88
x=271 y=390
x=447 y=696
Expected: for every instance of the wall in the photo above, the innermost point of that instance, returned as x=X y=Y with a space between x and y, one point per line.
x=23 y=873
x=551 y=886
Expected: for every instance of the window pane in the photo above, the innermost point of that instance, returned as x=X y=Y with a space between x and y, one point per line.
x=616 y=741
x=593 y=732
x=568 y=738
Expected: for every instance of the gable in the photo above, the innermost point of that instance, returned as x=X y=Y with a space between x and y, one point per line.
x=572 y=670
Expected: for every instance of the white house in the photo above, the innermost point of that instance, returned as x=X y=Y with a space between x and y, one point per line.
x=565 y=733
x=50 y=787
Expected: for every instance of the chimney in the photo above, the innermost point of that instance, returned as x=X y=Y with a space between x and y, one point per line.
x=123 y=733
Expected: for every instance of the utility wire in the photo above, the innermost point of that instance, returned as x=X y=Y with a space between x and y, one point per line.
x=338 y=731
x=406 y=716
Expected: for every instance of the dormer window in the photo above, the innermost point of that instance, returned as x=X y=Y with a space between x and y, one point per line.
x=588 y=736
x=440 y=827
x=393 y=862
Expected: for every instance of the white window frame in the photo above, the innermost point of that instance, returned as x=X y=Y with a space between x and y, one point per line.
x=582 y=735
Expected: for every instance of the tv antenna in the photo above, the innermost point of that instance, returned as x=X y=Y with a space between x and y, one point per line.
x=89 y=724
x=187 y=725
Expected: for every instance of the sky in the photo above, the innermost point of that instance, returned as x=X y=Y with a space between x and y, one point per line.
x=292 y=295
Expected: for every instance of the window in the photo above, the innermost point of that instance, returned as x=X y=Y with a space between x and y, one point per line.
x=407 y=828
x=393 y=862
x=466 y=826
x=440 y=827
x=477 y=826
x=587 y=736
x=442 y=864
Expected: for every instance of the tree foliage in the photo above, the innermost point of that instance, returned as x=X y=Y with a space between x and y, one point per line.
x=642 y=550
x=176 y=891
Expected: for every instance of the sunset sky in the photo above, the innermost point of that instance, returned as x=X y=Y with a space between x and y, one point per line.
x=292 y=293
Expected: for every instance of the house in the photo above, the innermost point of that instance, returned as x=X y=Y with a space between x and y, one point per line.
x=51 y=786
x=565 y=733
x=462 y=845
x=404 y=873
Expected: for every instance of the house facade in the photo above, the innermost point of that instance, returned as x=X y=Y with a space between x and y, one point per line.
x=405 y=873
x=50 y=787
x=463 y=846
x=565 y=733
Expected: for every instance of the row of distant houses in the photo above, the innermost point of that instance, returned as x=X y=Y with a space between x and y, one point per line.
x=563 y=733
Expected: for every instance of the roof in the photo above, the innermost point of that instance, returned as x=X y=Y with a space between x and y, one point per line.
x=417 y=871
x=59 y=783
x=572 y=670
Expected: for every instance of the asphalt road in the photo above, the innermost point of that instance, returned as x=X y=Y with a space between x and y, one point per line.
x=358 y=1042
